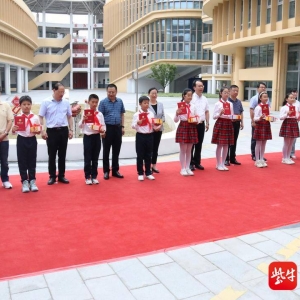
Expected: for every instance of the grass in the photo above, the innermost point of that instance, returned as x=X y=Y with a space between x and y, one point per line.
x=127 y=123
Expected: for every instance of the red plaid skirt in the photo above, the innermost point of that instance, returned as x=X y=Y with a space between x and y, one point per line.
x=262 y=131
x=223 y=132
x=289 y=128
x=186 y=133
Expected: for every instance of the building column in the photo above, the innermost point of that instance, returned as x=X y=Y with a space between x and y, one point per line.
x=7 y=79
x=19 y=80
x=209 y=83
x=214 y=71
x=71 y=47
x=229 y=64
x=221 y=64
x=26 y=80
x=239 y=63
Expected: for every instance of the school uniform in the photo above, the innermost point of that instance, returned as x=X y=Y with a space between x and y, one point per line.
x=143 y=143
x=223 y=130
x=262 y=130
x=92 y=145
x=27 y=148
x=289 y=127
x=187 y=132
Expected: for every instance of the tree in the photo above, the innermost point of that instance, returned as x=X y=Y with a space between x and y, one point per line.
x=164 y=74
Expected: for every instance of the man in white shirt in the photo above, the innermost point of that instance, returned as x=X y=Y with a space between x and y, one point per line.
x=202 y=110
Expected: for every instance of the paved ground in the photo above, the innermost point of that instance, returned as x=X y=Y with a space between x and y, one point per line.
x=234 y=268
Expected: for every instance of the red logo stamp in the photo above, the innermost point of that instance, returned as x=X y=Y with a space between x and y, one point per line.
x=282 y=275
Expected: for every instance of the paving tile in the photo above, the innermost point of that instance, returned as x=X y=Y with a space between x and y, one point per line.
x=4 y=290
x=234 y=266
x=205 y=296
x=241 y=249
x=153 y=292
x=252 y=238
x=249 y=296
x=291 y=229
x=108 y=288
x=41 y=294
x=133 y=273
x=262 y=264
x=155 y=259
x=278 y=236
x=297 y=291
x=67 y=285
x=207 y=248
x=178 y=281
x=95 y=271
x=191 y=261
x=268 y=247
x=27 y=284
x=261 y=287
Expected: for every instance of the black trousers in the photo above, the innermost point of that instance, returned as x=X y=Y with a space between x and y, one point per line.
x=113 y=139
x=253 y=142
x=197 y=148
x=26 y=153
x=156 y=141
x=232 y=149
x=57 y=143
x=91 y=151
x=143 y=147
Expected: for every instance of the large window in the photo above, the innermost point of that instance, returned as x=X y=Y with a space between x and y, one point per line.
x=292 y=9
x=259 y=56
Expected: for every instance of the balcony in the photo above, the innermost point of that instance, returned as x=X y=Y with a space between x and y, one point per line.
x=219 y=69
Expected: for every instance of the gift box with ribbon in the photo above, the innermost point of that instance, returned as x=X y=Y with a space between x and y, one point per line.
x=157 y=121
x=236 y=117
x=192 y=120
x=270 y=118
x=36 y=128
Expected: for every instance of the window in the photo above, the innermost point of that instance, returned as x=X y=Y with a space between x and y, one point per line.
x=258 y=13
x=259 y=56
x=268 y=12
x=279 y=10
x=249 y=14
x=292 y=9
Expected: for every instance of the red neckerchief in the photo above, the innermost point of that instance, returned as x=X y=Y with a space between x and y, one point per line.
x=96 y=121
x=188 y=110
x=148 y=122
x=261 y=106
x=28 y=119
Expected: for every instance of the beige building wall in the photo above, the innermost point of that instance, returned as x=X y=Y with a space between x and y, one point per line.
x=18 y=34
x=249 y=26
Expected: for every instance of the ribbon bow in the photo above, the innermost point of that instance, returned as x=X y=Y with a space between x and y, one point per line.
x=28 y=120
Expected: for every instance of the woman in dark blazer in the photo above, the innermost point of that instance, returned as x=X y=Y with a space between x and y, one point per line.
x=158 y=110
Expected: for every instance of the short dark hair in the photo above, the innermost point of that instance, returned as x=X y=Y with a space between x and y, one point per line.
x=55 y=86
x=233 y=86
x=111 y=85
x=143 y=98
x=258 y=85
x=93 y=96
x=151 y=89
x=197 y=80
x=294 y=91
x=25 y=98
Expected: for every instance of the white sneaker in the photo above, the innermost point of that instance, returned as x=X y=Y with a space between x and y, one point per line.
x=225 y=168
x=291 y=162
x=25 y=187
x=263 y=163
x=258 y=164
x=7 y=185
x=95 y=181
x=141 y=177
x=220 y=168
x=88 y=181
x=183 y=172
x=189 y=172
x=150 y=177
x=33 y=186
x=283 y=161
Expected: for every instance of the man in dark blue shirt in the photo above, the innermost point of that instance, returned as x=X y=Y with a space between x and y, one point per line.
x=113 y=111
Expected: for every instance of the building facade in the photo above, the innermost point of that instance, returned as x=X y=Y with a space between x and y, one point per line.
x=17 y=45
x=168 y=31
x=263 y=38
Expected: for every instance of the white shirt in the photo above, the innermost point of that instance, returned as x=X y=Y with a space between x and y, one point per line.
x=284 y=112
x=201 y=105
x=142 y=129
x=185 y=116
x=87 y=128
x=34 y=120
x=257 y=113
x=217 y=110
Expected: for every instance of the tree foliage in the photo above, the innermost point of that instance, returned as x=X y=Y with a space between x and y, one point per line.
x=164 y=74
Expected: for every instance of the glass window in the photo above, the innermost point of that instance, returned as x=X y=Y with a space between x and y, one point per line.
x=248 y=58
x=180 y=47
x=174 y=48
x=254 y=56
x=293 y=61
x=258 y=13
x=292 y=9
x=177 y=5
x=279 y=10
x=263 y=56
x=190 y=5
x=249 y=14
x=268 y=12
x=270 y=55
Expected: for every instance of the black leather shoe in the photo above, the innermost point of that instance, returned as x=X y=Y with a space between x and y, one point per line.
x=63 y=180
x=199 y=167
x=227 y=163
x=265 y=159
x=117 y=174
x=192 y=168
x=51 y=181
x=253 y=158
x=235 y=162
x=106 y=175
x=155 y=170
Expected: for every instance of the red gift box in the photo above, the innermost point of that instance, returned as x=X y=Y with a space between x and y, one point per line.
x=265 y=109
x=20 y=122
x=89 y=114
x=182 y=106
x=144 y=118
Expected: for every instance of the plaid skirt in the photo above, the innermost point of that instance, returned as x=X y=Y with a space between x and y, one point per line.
x=223 y=132
x=289 y=128
x=186 y=133
x=262 y=131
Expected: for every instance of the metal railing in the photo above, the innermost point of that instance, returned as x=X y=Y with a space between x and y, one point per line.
x=219 y=69
x=207 y=37
x=80 y=50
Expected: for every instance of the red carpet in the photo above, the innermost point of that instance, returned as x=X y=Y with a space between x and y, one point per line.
x=67 y=225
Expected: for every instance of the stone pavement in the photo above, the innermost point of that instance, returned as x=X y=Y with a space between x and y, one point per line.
x=234 y=268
